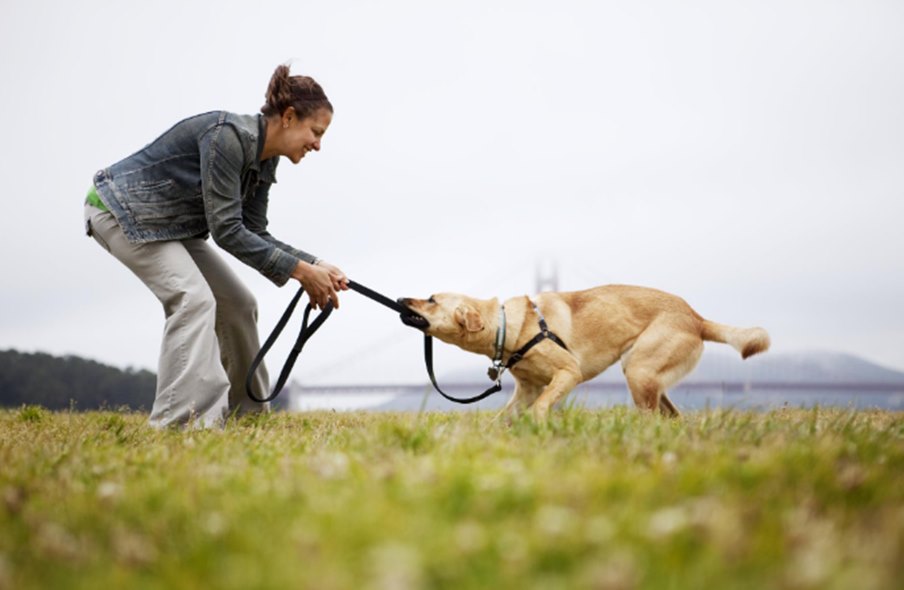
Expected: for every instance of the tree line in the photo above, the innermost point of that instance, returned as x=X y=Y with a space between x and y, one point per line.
x=60 y=383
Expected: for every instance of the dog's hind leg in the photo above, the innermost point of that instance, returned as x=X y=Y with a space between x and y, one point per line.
x=658 y=360
x=666 y=407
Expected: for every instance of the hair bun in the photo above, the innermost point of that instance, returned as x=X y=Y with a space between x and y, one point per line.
x=302 y=93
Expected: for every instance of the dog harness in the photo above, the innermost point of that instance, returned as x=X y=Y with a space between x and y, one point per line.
x=495 y=372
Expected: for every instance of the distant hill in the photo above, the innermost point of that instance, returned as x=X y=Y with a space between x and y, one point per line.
x=798 y=367
x=59 y=383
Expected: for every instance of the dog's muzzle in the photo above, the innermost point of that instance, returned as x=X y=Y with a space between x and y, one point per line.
x=411 y=318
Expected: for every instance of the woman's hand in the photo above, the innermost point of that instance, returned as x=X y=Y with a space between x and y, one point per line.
x=322 y=282
x=340 y=281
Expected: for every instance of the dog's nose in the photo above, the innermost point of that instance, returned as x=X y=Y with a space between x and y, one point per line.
x=403 y=301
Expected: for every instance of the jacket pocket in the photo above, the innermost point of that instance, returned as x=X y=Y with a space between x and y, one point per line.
x=162 y=202
x=152 y=190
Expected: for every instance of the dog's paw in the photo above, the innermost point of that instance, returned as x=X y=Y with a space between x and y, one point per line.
x=540 y=413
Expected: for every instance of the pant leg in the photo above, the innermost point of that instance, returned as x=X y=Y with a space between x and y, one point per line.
x=236 y=326
x=191 y=382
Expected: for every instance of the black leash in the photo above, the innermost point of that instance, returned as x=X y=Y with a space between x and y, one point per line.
x=307 y=331
x=428 y=359
x=304 y=335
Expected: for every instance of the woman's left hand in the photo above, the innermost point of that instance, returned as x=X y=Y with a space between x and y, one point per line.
x=340 y=281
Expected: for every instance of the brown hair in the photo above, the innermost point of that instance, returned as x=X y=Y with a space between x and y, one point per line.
x=302 y=93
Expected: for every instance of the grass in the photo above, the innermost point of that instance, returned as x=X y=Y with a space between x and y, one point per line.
x=610 y=499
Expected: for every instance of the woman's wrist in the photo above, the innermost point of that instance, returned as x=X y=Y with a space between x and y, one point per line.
x=302 y=270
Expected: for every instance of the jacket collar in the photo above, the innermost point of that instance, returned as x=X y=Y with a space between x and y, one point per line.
x=266 y=168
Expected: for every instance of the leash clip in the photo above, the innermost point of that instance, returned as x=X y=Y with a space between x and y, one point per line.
x=495 y=372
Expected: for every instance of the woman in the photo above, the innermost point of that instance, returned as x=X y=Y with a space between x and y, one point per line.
x=210 y=175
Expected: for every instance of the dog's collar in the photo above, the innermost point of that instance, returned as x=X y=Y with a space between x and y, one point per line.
x=495 y=371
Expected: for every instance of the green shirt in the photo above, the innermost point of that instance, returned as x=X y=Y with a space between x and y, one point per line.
x=94 y=200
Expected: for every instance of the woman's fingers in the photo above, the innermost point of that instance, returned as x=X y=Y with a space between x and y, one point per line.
x=322 y=282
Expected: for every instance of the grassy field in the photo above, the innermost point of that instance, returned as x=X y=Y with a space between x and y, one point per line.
x=606 y=499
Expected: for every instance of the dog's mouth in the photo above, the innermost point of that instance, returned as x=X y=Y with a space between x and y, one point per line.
x=411 y=318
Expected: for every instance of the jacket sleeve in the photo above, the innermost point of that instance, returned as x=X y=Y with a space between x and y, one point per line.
x=222 y=159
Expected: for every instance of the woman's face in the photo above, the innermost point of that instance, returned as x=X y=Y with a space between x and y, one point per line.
x=304 y=135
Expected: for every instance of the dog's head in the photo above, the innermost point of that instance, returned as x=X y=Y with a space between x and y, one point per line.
x=449 y=316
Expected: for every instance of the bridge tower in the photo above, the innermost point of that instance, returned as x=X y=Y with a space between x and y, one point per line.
x=547 y=276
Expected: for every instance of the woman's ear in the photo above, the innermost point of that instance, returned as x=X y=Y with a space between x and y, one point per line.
x=287 y=117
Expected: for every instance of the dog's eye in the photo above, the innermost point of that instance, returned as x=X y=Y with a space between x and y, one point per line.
x=431 y=300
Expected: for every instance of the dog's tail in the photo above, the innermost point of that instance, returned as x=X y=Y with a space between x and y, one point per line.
x=747 y=341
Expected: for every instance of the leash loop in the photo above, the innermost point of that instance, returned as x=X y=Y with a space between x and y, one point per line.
x=303 y=336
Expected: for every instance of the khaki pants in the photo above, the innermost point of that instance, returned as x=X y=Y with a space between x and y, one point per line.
x=210 y=336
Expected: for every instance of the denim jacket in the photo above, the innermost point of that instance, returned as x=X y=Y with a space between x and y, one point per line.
x=202 y=175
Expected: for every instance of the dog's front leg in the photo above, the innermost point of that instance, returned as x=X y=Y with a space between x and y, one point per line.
x=518 y=402
x=515 y=405
x=561 y=385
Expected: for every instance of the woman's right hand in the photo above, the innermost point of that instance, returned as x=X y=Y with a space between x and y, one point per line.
x=318 y=282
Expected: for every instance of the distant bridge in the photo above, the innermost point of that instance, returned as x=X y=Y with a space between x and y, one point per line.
x=688 y=395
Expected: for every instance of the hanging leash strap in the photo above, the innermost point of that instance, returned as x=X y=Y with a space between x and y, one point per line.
x=428 y=359
x=303 y=336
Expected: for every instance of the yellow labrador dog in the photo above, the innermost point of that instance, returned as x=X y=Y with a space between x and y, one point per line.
x=554 y=341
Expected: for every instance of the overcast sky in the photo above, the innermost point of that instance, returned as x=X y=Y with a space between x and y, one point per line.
x=747 y=156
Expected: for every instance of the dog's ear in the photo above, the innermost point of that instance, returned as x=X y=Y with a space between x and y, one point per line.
x=468 y=318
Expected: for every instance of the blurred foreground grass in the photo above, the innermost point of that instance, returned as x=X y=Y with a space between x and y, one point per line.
x=596 y=499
